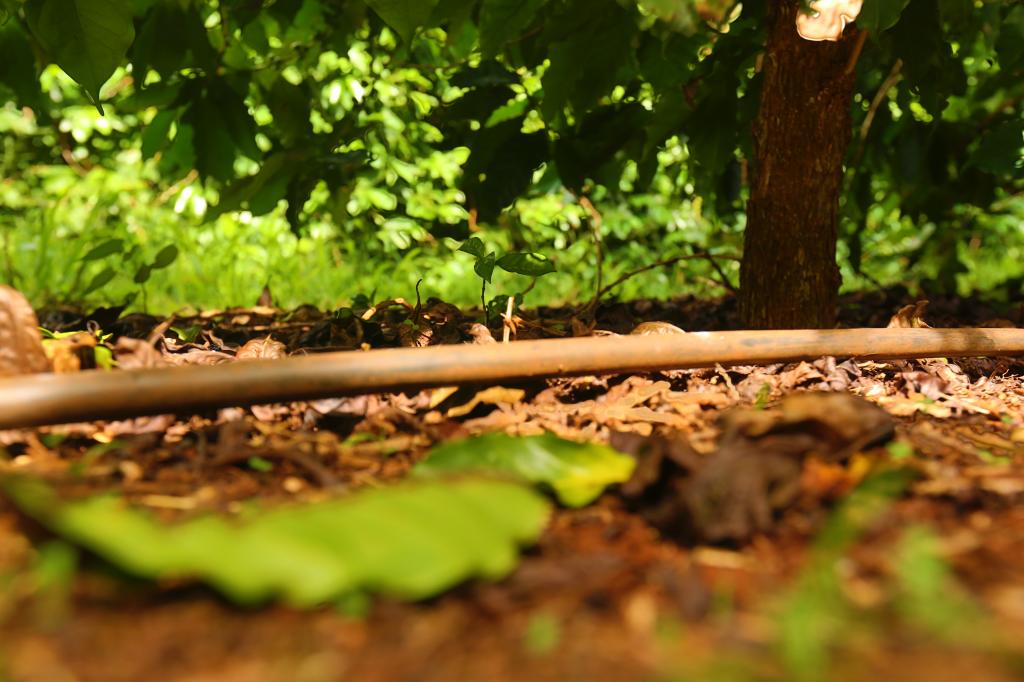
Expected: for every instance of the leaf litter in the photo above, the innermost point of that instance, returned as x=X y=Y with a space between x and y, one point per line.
x=737 y=543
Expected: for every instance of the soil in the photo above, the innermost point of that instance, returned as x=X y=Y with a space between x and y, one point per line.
x=665 y=577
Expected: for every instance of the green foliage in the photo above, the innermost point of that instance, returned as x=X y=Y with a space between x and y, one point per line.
x=577 y=472
x=880 y=15
x=411 y=541
x=377 y=131
x=86 y=38
x=815 y=616
x=520 y=263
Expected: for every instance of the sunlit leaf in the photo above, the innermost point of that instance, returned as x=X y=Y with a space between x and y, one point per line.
x=576 y=472
x=474 y=247
x=525 y=263
x=410 y=541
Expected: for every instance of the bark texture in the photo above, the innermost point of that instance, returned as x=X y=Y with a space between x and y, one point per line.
x=789 y=278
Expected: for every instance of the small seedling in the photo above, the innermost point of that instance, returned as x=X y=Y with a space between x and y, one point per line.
x=517 y=262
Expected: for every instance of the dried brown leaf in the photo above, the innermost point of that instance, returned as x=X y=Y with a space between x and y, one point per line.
x=490 y=396
x=910 y=317
x=262 y=349
x=21 y=347
x=137 y=354
x=71 y=353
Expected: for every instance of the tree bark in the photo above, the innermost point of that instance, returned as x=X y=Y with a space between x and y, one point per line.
x=789 y=278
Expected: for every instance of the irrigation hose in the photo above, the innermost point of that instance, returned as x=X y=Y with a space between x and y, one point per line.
x=40 y=399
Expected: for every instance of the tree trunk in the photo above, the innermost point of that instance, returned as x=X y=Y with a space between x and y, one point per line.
x=789 y=278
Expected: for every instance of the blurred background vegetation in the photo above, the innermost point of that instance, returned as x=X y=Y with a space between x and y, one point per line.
x=92 y=203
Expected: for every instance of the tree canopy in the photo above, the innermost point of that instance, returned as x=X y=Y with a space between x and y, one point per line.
x=427 y=118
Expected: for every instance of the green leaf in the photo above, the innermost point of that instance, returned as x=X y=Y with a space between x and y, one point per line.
x=411 y=541
x=577 y=472
x=484 y=267
x=1010 y=44
x=929 y=67
x=1001 y=150
x=503 y=20
x=262 y=191
x=526 y=263
x=100 y=280
x=260 y=464
x=474 y=247
x=107 y=248
x=880 y=15
x=501 y=165
x=488 y=73
x=7 y=8
x=405 y=16
x=603 y=133
x=165 y=257
x=19 y=66
x=155 y=136
x=584 y=66
x=290 y=106
x=86 y=38
x=714 y=133
x=142 y=274
x=172 y=38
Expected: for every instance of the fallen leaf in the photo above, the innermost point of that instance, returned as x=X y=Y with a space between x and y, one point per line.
x=576 y=472
x=21 y=346
x=490 y=396
x=910 y=317
x=410 y=541
x=262 y=349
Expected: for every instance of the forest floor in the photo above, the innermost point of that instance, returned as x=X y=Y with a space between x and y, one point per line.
x=771 y=586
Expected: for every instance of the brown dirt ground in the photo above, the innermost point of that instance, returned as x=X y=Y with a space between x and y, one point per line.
x=605 y=595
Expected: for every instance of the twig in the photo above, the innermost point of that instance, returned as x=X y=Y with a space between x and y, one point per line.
x=68 y=154
x=595 y=226
x=506 y=321
x=176 y=187
x=862 y=36
x=671 y=261
x=726 y=282
x=321 y=474
x=895 y=74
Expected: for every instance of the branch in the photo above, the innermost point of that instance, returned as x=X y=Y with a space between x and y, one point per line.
x=39 y=399
x=672 y=261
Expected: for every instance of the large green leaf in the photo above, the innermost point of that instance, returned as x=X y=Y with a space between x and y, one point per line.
x=260 y=192
x=19 y=65
x=576 y=472
x=503 y=20
x=879 y=15
x=1001 y=150
x=411 y=541
x=585 y=65
x=526 y=263
x=405 y=16
x=86 y=38
x=171 y=38
x=501 y=166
